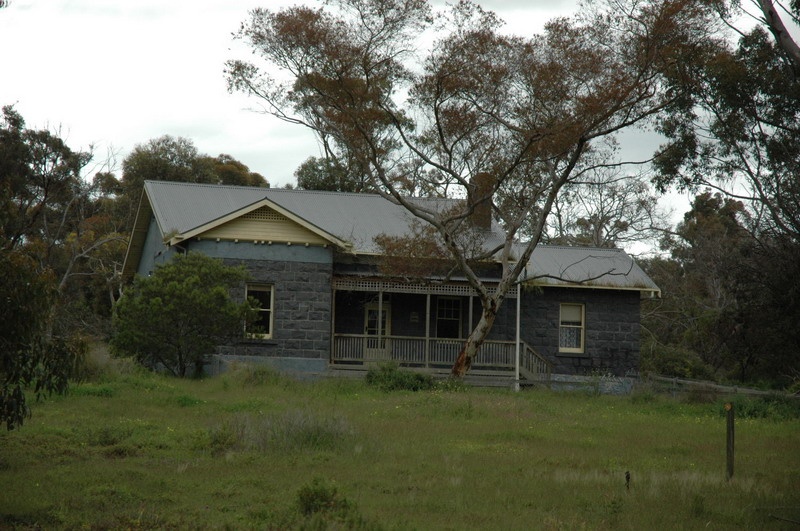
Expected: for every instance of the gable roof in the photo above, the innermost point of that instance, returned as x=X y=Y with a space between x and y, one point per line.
x=351 y=222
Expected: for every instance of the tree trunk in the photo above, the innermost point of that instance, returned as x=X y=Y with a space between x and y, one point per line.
x=779 y=31
x=475 y=339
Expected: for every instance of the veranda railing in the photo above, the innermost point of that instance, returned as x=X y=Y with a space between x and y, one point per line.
x=437 y=353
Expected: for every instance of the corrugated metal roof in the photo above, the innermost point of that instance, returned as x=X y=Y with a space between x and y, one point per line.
x=552 y=265
x=182 y=208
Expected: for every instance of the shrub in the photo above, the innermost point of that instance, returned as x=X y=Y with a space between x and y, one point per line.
x=319 y=496
x=324 y=508
x=389 y=377
x=674 y=361
x=188 y=298
x=773 y=407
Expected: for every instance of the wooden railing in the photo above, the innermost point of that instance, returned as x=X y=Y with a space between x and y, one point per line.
x=436 y=353
x=533 y=366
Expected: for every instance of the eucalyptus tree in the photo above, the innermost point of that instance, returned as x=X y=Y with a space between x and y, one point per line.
x=44 y=244
x=502 y=121
x=609 y=208
x=738 y=131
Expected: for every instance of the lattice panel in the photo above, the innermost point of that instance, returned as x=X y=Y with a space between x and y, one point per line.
x=264 y=214
x=372 y=285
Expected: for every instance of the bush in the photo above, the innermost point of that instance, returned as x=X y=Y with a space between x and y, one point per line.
x=319 y=496
x=324 y=508
x=773 y=407
x=188 y=298
x=675 y=361
x=389 y=377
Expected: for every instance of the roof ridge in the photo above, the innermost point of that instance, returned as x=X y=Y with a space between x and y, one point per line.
x=292 y=190
x=583 y=247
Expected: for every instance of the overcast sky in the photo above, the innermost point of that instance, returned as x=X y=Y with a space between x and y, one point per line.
x=114 y=74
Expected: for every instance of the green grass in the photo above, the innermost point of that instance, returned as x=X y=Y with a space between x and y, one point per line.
x=254 y=450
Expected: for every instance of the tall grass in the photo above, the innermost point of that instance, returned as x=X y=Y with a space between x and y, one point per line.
x=252 y=449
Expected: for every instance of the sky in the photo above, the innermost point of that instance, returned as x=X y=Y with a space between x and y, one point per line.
x=113 y=74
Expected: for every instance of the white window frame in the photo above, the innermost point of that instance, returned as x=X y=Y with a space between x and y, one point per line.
x=249 y=288
x=572 y=326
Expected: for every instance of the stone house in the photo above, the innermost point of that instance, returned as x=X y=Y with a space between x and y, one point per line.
x=326 y=305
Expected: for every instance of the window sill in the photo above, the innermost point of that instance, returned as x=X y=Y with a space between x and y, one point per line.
x=255 y=338
x=570 y=354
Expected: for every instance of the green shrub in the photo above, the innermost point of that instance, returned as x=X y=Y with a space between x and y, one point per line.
x=773 y=407
x=319 y=496
x=323 y=508
x=674 y=361
x=389 y=377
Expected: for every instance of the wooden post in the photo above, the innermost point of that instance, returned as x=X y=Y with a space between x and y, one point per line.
x=517 y=339
x=730 y=439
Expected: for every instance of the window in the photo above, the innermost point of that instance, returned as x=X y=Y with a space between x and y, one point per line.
x=448 y=317
x=261 y=327
x=570 y=330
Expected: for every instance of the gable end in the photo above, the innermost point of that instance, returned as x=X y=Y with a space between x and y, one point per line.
x=264 y=224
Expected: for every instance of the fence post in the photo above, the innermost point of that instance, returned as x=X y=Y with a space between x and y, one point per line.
x=730 y=439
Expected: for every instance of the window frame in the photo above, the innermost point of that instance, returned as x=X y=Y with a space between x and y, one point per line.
x=581 y=328
x=249 y=288
x=459 y=318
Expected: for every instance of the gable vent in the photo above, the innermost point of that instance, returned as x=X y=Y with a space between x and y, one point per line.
x=264 y=214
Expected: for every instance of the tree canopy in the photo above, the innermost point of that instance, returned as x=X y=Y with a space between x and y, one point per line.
x=169 y=158
x=528 y=115
x=44 y=241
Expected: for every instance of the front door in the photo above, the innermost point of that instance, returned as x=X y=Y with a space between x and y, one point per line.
x=376 y=345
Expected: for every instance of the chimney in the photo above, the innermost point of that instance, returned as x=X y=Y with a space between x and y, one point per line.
x=481 y=200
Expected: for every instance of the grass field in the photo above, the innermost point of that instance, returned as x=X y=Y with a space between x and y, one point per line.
x=254 y=450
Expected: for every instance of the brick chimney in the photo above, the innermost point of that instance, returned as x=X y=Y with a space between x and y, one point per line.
x=481 y=200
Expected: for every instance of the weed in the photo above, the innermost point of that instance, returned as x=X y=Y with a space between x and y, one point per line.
x=643 y=396
x=188 y=401
x=255 y=374
x=464 y=410
x=451 y=385
x=389 y=377
x=701 y=395
x=105 y=435
x=101 y=390
x=224 y=437
x=288 y=432
x=697 y=508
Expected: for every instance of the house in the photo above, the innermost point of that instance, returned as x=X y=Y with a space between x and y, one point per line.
x=325 y=304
